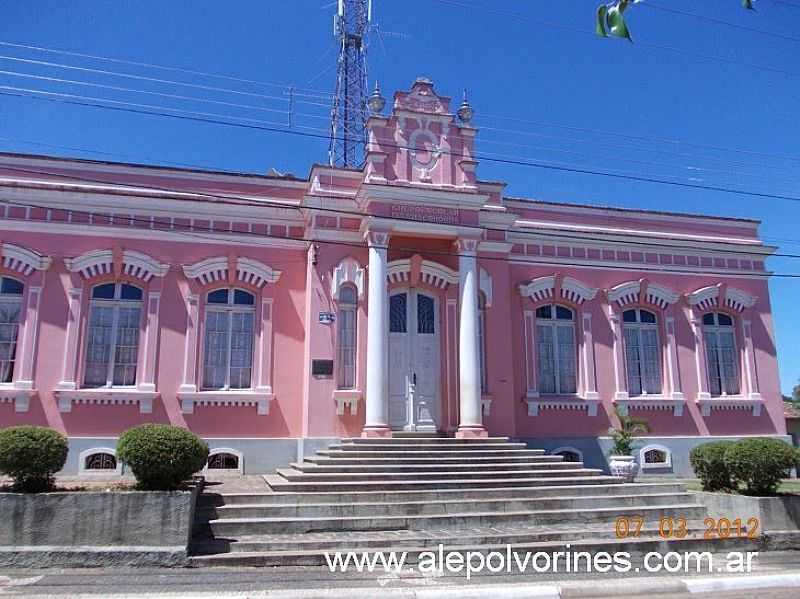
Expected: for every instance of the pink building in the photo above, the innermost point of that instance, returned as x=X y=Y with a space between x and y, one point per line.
x=272 y=314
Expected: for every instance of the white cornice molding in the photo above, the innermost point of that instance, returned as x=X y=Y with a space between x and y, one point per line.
x=248 y=270
x=347 y=271
x=23 y=260
x=101 y=262
x=629 y=292
x=572 y=290
x=708 y=297
x=431 y=273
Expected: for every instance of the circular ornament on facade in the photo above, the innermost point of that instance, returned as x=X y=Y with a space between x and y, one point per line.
x=425 y=152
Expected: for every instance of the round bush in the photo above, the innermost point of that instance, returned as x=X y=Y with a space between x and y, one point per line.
x=708 y=462
x=31 y=455
x=760 y=463
x=161 y=456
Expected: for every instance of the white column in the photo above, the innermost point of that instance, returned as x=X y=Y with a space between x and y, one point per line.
x=470 y=413
x=377 y=404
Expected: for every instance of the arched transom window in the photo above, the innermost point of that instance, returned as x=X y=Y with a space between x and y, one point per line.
x=721 y=356
x=100 y=461
x=10 y=309
x=347 y=330
x=229 y=332
x=642 y=354
x=112 y=336
x=555 y=349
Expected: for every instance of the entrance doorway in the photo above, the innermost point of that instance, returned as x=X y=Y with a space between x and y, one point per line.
x=414 y=361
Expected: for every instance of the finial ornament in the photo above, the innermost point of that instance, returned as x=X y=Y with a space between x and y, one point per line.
x=376 y=101
x=465 y=111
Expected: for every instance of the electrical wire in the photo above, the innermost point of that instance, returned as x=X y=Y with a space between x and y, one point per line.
x=324 y=134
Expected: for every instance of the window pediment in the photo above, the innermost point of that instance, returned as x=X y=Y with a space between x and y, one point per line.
x=572 y=290
x=101 y=262
x=630 y=292
x=709 y=297
x=248 y=270
x=23 y=260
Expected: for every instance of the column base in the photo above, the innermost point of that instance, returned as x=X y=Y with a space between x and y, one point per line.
x=376 y=432
x=474 y=431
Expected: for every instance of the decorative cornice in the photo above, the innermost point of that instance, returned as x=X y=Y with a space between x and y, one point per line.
x=347 y=271
x=248 y=270
x=630 y=292
x=23 y=260
x=570 y=289
x=708 y=297
x=431 y=273
x=101 y=262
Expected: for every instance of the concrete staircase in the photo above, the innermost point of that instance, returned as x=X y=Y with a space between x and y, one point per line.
x=413 y=493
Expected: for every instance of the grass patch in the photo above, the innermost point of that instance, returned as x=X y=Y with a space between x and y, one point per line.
x=787 y=486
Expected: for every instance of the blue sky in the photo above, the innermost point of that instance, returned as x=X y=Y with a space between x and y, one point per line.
x=543 y=86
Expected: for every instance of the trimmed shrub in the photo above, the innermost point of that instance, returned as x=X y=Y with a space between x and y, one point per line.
x=161 y=457
x=31 y=455
x=760 y=463
x=708 y=462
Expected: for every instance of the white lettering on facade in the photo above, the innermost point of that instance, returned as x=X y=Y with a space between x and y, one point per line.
x=426 y=214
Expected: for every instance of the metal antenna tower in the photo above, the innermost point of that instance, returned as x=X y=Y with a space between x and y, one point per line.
x=349 y=114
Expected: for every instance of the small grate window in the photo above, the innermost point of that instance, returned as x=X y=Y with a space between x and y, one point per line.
x=101 y=461
x=223 y=461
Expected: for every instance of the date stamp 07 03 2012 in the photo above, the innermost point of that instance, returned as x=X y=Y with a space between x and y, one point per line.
x=679 y=528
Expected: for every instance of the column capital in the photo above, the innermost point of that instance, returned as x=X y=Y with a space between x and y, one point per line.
x=377 y=238
x=467 y=245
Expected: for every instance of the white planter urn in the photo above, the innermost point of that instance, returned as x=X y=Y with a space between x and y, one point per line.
x=624 y=466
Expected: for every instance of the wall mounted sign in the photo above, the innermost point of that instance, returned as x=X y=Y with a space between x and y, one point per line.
x=322 y=368
x=426 y=214
x=327 y=317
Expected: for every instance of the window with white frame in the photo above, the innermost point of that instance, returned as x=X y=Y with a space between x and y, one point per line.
x=721 y=355
x=10 y=310
x=642 y=353
x=555 y=349
x=228 y=340
x=482 y=341
x=655 y=456
x=100 y=461
x=347 y=330
x=112 y=335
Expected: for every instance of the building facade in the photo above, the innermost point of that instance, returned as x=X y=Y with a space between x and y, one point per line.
x=272 y=314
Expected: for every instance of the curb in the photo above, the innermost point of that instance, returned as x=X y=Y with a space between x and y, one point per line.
x=597 y=589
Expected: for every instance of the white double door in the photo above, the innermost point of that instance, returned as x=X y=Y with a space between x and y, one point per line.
x=414 y=361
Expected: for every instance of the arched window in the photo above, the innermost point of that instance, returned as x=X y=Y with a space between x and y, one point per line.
x=482 y=341
x=100 y=461
x=721 y=356
x=229 y=332
x=555 y=349
x=655 y=456
x=642 y=354
x=223 y=461
x=10 y=309
x=112 y=336
x=347 y=337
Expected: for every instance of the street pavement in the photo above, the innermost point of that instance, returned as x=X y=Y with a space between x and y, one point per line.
x=779 y=571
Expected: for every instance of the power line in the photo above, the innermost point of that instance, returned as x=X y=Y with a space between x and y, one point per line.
x=273 y=128
x=721 y=22
x=160 y=67
x=240 y=200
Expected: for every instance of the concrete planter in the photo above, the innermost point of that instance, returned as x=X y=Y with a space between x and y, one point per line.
x=774 y=513
x=96 y=528
x=624 y=466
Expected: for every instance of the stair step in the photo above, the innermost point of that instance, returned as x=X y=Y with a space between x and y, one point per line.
x=454 y=506
x=404 y=539
x=316 y=467
x=294 y=475
x=425 y=438
x=240 y=526
x=638 y=546
x=348 y=458
x=411 y=485
x=377 y=496
x=416 y=445
x=403 y=453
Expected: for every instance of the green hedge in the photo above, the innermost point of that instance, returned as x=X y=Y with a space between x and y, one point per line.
x=708 y=462
x=160 y=456
x=760 y=464
x=31 y=455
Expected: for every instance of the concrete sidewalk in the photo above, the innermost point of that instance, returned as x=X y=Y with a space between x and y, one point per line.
x=778 y=571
